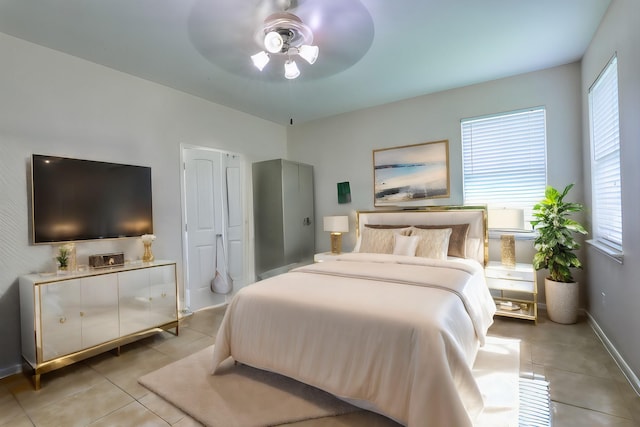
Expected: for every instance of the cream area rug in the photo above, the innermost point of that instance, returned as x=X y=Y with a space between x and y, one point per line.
x=246 y=397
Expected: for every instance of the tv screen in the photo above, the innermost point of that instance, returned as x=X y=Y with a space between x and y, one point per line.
x=75 y=199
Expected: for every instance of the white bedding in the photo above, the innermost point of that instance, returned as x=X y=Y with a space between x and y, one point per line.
x=395 y=334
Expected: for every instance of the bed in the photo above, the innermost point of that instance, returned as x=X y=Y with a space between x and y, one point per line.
x=391 y=327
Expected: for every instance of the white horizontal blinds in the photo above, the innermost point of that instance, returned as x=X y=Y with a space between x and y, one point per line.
x=605 y=142
x=504 y=160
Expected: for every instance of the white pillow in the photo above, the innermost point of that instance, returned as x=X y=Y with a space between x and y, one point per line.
x=379 y=240
x=434 y=242
x=405 y=245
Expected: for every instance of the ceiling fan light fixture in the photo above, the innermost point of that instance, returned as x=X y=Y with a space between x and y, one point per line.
x=309 y=53
x=291 y=70
x=260 y=60
x=284 y=34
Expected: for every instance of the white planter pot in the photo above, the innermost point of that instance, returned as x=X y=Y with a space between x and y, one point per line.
x=562 y=301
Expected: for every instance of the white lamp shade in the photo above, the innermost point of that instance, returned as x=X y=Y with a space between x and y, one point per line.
x=506 y=219
x=336 y=224
x=260 y=60
x=291 y=70
x=273 y=42
x=309 y=53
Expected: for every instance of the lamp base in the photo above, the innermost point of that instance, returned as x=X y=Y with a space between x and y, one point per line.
x=508 y=250
x=336 y=243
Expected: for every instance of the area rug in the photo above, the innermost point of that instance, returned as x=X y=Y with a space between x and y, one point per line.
x=245 y=397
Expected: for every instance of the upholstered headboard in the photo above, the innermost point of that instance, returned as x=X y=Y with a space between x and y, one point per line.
x=476 y=216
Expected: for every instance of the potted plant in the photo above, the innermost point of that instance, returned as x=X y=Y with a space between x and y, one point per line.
x=555 y=250
x=63 y=258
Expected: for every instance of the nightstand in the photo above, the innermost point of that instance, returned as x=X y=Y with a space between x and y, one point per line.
x=514 y=290
x=324 y=256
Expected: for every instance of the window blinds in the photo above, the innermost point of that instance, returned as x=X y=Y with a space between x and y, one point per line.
x=605 y=161
x=504 y=160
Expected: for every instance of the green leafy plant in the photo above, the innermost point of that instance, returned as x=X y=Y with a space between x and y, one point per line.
x=555 y=244
x=63 y=257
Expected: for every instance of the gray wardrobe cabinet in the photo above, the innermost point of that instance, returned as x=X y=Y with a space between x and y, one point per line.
x=283 y=216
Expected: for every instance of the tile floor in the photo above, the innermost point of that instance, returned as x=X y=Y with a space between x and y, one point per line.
x=587 y=388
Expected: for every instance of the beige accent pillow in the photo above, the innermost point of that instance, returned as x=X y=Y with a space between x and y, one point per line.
x=405 y=245
x=458 y=239
x=434 y=243
x=380 y=241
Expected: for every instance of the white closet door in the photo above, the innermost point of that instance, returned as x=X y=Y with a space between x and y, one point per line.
x=203 y=186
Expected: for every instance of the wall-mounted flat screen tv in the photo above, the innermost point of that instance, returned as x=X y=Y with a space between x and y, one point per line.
x=75 y=200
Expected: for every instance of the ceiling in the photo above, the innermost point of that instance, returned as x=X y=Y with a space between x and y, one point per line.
x=372 y=52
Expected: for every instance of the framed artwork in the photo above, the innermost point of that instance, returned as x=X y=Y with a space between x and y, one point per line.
x=407 y=175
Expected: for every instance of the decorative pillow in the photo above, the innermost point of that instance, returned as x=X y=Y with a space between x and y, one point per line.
x=386 y=226
x=405 y=245
x=458 y=239
x=378 y=240
x=434 y=243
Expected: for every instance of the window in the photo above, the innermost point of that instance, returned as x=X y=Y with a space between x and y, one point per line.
x=605 y=158
x=505 y=161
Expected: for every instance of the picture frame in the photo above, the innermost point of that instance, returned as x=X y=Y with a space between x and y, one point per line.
x=410 y=175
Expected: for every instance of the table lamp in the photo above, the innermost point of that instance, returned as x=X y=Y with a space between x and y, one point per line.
x=507 y=220
x=336 y=225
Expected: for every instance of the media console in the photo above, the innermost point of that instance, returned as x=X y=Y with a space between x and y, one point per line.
x=65 y=319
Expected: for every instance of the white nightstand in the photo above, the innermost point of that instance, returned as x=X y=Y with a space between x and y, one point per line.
x=517 y=285
x=324 y=256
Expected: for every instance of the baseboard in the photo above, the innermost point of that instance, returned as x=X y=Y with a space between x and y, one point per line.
x=617 y=357
x=11 y=370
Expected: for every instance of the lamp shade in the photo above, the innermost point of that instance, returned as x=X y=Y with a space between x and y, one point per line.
x=273 y=42
x=506 y=219
x=291 y=70
x=260 y=60
x=309 y=53
x=336 y=224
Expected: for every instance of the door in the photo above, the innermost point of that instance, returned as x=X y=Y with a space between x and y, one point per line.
x=61 y=325
x=100 y=319
x=234 y=210
x=214 y=222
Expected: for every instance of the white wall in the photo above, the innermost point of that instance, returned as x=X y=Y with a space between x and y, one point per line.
x=52 y=103
x=616 y=312
x=340 y=148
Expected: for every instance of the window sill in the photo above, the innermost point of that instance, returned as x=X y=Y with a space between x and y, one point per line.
x=614 y=254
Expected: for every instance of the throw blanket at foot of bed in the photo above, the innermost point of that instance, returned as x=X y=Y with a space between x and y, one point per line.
x=397 y=338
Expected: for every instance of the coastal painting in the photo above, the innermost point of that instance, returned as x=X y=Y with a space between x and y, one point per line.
x=410 y=174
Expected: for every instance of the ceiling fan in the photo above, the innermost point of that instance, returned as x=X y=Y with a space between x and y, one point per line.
x=231 y=34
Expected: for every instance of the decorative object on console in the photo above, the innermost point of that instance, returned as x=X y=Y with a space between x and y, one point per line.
x=509 y=220
x=106 y=260
x=405 y=175
x=63 y=258
x=344 y=192
x=555 y=246
x=336 y=225
x=147 y=239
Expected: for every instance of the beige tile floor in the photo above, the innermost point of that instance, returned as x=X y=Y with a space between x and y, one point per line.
x=587 y=388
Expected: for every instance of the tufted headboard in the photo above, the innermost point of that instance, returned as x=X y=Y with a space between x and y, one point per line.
x=476 y=216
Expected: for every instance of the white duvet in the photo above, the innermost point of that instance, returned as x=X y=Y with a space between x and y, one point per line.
x=397 y=335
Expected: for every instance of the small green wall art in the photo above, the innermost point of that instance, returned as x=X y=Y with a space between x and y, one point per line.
x=344 y=192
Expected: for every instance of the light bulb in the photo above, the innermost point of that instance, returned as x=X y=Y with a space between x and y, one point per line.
x=309 y=53
x=291 y=69
x=260 y=60
x=273 y=42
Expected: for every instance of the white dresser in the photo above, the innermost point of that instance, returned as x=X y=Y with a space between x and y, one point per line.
x=68 y=318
